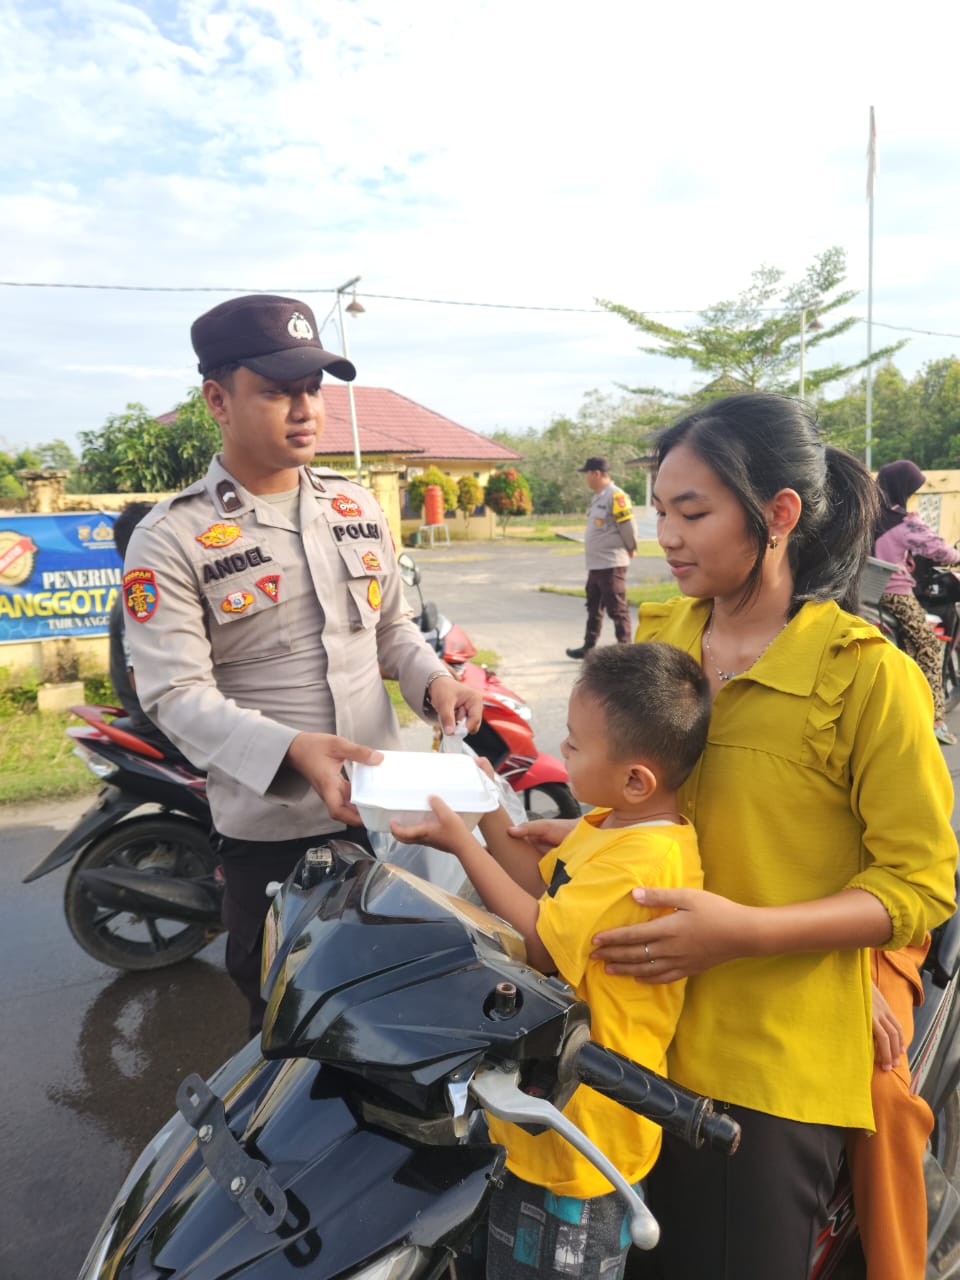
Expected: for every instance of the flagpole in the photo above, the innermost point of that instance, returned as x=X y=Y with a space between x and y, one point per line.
x=871 y=183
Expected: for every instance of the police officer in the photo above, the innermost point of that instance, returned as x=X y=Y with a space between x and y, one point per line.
x=262 y=603
x=610 y=542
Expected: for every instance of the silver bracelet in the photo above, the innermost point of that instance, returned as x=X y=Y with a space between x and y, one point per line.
x=434 y=675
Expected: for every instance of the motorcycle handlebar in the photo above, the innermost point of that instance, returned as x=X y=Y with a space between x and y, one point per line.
x=686 y=1115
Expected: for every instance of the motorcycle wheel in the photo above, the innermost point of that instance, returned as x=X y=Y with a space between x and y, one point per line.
x=164 y=846
x=550 y=800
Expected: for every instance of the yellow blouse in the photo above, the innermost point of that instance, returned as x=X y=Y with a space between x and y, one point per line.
x=821 y=772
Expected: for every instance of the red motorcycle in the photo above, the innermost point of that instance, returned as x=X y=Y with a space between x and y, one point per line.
x=505 y=736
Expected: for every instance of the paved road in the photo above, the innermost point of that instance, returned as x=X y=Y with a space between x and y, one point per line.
x=90 y=1059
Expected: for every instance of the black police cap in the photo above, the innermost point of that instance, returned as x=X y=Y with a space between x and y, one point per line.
x=275 y=337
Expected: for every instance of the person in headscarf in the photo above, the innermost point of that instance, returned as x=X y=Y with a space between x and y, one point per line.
x=900 y=536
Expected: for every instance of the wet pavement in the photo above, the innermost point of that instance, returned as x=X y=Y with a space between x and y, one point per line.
x=90 y=1058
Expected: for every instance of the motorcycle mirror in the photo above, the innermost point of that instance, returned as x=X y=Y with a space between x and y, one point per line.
x=408 y=569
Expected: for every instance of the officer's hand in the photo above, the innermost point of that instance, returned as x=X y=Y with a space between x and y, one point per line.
x=320 y=757
x=453 y=700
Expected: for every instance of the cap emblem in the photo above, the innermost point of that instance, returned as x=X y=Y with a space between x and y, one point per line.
x=299 y=327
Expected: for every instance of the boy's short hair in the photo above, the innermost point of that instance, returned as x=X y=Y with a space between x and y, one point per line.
x=656 y=699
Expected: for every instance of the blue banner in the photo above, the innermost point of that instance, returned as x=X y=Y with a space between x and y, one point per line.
x=59 y=575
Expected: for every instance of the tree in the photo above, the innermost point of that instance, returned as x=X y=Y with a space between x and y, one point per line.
x=917 y=419
x=133 y=453
x=508 y=494
x=750 y=344
x=417 y=487
x=618 y=428
x=58 y=455
x=469 y=495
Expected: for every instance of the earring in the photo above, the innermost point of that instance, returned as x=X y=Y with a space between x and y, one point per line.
x=774 y=542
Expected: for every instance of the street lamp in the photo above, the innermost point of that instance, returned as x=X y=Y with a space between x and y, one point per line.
x=814 y=325
x=353 y=308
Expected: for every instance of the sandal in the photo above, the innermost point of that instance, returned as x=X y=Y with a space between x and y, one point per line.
x=943 y=734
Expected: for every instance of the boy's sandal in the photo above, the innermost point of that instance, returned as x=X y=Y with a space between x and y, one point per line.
x=943 y=734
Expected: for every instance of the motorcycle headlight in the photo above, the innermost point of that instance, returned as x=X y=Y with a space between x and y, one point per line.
x=398 y=1264
x=516 y=706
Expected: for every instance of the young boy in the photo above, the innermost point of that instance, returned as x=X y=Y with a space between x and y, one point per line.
x=637 y=723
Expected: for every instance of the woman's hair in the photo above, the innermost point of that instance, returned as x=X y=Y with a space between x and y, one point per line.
x=759 y=443
x=656 y=699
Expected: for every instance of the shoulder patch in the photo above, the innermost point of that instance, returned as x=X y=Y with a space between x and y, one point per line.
x=140 y=594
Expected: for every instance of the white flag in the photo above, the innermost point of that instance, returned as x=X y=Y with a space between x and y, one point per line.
x=872 y=157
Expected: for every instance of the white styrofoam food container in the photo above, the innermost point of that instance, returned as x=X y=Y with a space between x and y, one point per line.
x=400 y=786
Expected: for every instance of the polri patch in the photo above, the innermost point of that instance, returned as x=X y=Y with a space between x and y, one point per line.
x=141 y=595
x=374 y=595
x=270 y=586
x=371 y=562
x=237 y=602
x=345 y=506
x=220 y=535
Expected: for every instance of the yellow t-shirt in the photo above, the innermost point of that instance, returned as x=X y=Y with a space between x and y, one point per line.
x=589 y=878
x=821 y=773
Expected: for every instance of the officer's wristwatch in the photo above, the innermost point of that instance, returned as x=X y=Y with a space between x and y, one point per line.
x=436 y=675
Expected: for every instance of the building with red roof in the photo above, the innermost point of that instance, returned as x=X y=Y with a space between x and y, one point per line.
x=396 y=431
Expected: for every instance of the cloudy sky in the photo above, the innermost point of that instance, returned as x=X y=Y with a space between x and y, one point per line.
x=531 y=153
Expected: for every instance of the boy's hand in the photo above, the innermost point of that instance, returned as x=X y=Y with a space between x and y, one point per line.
x=544 y=833
x=447 y=831
x=887 y=1033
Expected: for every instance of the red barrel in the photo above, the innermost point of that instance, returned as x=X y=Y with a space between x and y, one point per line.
x=433 y=504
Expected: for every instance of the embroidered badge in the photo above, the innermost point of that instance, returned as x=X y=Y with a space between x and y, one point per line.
x=270 y=585
x=371 y=562
x=299 y=327
x=345 y=506
x=229 y=498
x=374 y=595
x=598 y=522
x=237 y=602
x=220 y=535
x=140 y=594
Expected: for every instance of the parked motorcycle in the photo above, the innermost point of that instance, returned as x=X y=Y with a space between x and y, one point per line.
x=349 y=1141
x=145 y=887
x=938 y=590
x=505 y=737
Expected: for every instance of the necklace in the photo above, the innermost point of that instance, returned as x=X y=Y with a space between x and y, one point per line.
x=728 y=675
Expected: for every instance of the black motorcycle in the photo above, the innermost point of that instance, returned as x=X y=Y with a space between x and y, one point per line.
x=350 y=1141
x=145 y=887
x=938 y=590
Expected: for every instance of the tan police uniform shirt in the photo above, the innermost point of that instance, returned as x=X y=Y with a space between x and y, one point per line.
x=611 y=534
x=245 y=631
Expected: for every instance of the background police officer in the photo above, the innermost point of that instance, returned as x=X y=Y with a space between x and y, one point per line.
x=262 y=603
x=610 y=542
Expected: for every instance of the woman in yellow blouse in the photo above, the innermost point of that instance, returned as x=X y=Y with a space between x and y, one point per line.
x=822 y=805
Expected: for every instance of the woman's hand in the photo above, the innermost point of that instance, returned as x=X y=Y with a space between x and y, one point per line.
x=697 y=931
x=888 y=1042
x=544 y=833
x=446 y=831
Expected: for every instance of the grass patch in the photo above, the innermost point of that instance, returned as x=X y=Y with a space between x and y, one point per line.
x=643 y=593
x=36 y=758
x=36 y=754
